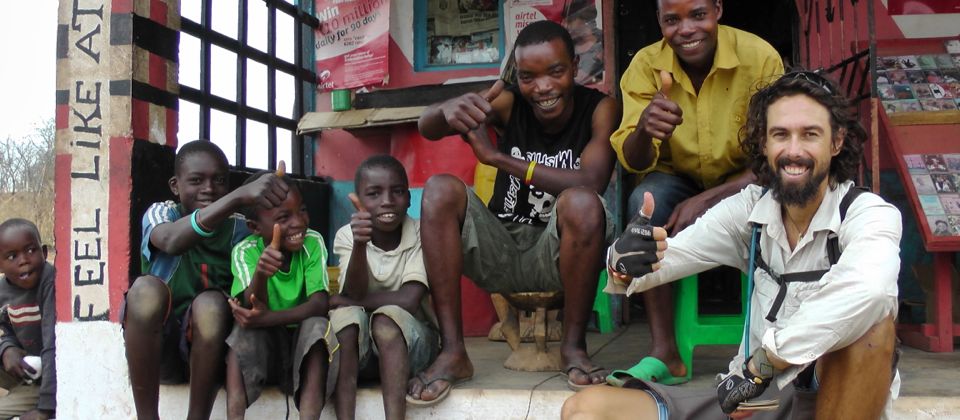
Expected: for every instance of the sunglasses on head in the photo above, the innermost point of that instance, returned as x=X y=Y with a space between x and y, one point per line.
x=812 y=77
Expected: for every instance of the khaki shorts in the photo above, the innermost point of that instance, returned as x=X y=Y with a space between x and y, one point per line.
x=423 y=340
x=266 y=357
x=698 y=403
x=20 y=397
x=508 y=257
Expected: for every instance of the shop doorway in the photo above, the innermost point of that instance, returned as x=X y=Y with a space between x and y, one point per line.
x=776 y=21
x=636 y=23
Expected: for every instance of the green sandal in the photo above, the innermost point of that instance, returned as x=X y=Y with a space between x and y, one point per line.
x=649 y=369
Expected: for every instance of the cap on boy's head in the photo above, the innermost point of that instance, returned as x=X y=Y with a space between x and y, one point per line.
x=387 y=162
x=19 y=223
x=543 y=31
x=250 y=212
x=199 y=146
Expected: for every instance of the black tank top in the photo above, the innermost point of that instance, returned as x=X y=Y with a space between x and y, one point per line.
x=524 y=138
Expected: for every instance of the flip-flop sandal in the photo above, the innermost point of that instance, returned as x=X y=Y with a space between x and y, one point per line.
x=443 y=394
x=578 y=387
x=649 y=369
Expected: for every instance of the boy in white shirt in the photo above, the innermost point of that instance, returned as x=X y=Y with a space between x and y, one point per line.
x=383 y=290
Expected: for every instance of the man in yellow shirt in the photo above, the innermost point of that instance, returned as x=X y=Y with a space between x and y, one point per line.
x=679 y=133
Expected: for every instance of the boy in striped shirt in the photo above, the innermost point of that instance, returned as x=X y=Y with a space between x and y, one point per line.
x=27 y=321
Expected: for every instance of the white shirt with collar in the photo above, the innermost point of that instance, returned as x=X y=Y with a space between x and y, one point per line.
x=389 y=270
x=816 y=317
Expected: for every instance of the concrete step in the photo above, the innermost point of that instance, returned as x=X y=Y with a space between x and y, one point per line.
x=929 y=389
x=483 y=404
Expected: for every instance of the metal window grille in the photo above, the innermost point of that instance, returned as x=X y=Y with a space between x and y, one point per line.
x=300 y=71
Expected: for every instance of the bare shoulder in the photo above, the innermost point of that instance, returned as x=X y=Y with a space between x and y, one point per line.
x=607 y=114
x=502 y=105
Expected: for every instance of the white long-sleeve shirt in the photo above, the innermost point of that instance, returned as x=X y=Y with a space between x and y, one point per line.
x=816 y=317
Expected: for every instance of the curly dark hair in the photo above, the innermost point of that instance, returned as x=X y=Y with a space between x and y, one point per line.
x=753 y=134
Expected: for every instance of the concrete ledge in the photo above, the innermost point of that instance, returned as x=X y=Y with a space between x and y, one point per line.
x=484 y=404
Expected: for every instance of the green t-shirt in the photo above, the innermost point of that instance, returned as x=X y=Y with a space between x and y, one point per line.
x=306 y=276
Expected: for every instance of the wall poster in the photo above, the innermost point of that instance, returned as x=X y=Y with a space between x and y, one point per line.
x=582 y=18
x=352 y=43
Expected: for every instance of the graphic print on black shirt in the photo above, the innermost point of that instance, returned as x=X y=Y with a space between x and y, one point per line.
x=525 y=139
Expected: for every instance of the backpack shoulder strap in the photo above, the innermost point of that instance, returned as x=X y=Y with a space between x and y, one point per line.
x=848 y=198
x=833 y=241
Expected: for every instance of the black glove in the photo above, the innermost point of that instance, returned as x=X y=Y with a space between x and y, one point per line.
x=635 y=251
x=738 y=387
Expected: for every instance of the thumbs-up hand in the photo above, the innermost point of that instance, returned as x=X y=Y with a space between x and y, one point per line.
x=275 y=243
x=495 y=90
x=467 y=112
x=361 y=222
x=662 y=115
x=640 y=248
x=666 y=82
x=272 y=257
x=266 y=192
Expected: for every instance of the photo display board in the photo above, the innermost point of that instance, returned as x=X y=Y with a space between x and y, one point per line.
x=918 y=83
x=936 y=178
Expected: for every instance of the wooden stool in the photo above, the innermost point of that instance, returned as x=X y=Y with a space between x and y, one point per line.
x=536 y=356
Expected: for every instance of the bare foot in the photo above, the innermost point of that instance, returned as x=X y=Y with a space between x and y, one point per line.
x=580 y=370
x=672 y=360
x=448 y=368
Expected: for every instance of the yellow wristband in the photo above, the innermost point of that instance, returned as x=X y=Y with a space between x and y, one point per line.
x=533 y=164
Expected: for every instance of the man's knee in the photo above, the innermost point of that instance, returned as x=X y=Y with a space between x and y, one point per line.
x=347 y=336
x=583 y=404
x=148 y=301
x=582 y=209
x=384 y=328
x=872 y=351
x=866 y=366
x=443 y=192
x=667 y=190
x=210 y=315
x=879 y=339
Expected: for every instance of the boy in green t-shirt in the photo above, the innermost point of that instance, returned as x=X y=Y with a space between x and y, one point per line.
x=175 y=316
x=280 y=335
x=382 y=313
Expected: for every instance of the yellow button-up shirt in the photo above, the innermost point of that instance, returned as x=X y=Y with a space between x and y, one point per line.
x=706 y=146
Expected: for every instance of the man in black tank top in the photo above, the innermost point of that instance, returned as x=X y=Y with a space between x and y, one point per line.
x=543 y=230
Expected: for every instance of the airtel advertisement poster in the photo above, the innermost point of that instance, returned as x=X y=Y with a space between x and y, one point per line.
x=581 y=18
x=352 y=43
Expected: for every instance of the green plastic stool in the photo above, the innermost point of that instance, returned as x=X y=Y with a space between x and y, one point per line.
x=601 y=306
x=693 y=329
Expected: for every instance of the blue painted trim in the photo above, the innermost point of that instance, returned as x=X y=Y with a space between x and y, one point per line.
x=309 y=99
x=420 y=47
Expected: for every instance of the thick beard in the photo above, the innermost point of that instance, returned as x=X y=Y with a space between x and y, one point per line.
x=796 y=195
